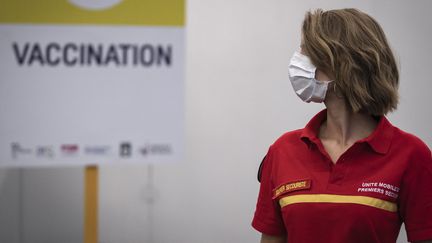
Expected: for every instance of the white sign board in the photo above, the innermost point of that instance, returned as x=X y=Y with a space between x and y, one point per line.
x=80 y=89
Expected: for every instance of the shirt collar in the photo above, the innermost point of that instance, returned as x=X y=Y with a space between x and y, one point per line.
x=379 y=140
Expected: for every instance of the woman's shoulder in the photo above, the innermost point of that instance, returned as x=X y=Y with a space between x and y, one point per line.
x=410 y=141
x=286 y=141
x=414 y=148
x=290 y=138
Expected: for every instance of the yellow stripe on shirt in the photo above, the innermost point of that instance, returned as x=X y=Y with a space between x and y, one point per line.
x=332 y=198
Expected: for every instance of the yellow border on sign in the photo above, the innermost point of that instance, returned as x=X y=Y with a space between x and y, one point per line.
x=127 y=12
x=331 y=198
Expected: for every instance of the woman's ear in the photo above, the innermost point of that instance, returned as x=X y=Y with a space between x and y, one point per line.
x=322 y=76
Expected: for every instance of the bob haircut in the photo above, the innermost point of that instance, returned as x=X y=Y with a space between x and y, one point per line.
x=352 y=46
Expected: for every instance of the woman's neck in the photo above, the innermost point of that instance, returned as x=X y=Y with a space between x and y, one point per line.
x=343 y=126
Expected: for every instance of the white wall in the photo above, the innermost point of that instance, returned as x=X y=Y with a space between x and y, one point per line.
x=238 y=101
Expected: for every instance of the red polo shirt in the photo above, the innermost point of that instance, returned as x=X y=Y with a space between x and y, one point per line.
x=376 y=185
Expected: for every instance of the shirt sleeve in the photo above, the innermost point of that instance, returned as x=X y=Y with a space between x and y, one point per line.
x=416 y=196
x=267 y=218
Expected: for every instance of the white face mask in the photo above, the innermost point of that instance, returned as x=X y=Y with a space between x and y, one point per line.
x=302 y=77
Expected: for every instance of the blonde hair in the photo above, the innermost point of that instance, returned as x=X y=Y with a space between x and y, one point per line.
x=352 y=46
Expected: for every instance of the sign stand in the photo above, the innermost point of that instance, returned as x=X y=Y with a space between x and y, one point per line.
x=91 y=194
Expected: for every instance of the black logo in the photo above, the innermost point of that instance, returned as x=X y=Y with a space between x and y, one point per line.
x=97 y=150
x=156 y=149
x=17 y=149
x=125 y=149
x=45 y=151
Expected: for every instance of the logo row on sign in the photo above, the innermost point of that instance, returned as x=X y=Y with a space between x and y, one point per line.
x=124 y=150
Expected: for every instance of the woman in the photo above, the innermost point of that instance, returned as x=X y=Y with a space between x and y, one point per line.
x=349 y=176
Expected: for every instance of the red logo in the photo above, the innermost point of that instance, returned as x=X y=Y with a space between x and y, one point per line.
x=69 y=148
